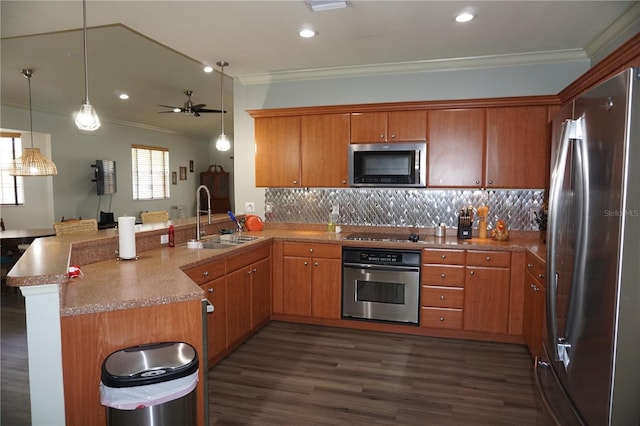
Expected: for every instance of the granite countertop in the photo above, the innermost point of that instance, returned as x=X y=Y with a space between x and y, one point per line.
x=157 y=275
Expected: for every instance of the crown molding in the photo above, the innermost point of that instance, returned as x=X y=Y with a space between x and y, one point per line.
x=554 y=56
x=627 y=20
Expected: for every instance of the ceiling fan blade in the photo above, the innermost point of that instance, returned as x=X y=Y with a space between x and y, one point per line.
x=170 y=106
x=198 y=106
x=209 y=110
x=196 y=114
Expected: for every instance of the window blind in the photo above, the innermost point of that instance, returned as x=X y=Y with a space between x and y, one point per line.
x=150 y=172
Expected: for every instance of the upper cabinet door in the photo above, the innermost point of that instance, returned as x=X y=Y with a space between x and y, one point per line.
x=394 y=126
x=324 y=142
x=517 y=147
x=277 y=151
x=456 y=142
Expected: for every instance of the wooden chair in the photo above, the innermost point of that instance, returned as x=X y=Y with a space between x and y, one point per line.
x=155 y=217
x=75 y=226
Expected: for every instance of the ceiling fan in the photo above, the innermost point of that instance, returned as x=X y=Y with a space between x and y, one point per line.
x=189 y=107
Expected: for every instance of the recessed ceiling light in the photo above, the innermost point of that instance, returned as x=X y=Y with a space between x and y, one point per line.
x=208 y=69
x=320 y=5
x=123 y=96
x=307 y=33
x=465 y=17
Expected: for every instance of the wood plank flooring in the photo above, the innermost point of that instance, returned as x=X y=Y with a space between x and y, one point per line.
x=296 y=374
x=293 y=374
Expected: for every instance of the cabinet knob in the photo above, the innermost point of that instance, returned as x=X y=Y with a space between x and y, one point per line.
x=441 y=275
x=535 y=288
x=488 y=258
x=306 y=263
x=295 y=182
x=382 y=136
x=444 y=256
x=490 y=181
x=471 y=272
x=532 y=285
x=210 y=289
x=529 y=265
x=540 y=275
x=344 y=182
x=441 y=318
x=442 y=297
x=310 y=250
x=249 y=272
x=205 y=273
x=315 y=264
x=477 y=181
x=393 y=136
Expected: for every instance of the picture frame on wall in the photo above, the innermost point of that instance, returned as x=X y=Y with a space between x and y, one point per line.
x=174 y=178
x=191 y=166
x=183 y=173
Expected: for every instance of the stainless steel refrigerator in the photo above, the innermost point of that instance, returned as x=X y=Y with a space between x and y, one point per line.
x=590 y=371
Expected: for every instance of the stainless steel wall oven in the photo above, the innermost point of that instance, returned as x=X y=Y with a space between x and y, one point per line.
x=381 y=284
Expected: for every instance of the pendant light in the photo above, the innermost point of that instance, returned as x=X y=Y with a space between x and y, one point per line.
x=87 y=118
x=32 y=162
x=223 y=143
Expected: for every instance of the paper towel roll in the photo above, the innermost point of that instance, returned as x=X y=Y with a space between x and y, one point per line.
x=127 y=237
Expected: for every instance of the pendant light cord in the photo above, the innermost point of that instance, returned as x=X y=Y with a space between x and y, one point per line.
x=30 y=109
x=84 y=39
x=222 y=64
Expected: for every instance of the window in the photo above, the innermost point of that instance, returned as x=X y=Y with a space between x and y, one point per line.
x=149 y=172
x=12 y=187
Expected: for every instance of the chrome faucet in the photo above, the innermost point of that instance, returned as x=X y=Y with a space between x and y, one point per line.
x=198 y=211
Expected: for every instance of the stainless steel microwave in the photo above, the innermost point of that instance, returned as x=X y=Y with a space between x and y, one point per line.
x=388 y=165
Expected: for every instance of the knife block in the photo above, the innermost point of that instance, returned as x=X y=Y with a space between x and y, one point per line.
x=464 y=228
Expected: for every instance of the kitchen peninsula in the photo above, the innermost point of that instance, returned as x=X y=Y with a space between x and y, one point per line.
x=121 y=303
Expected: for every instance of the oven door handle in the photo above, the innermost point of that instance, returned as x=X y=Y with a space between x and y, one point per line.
x=381 y=267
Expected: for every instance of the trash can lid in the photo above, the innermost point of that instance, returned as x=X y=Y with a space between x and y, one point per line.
x=148 y=364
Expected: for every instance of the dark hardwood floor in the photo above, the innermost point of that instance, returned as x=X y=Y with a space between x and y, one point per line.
x=294 y=374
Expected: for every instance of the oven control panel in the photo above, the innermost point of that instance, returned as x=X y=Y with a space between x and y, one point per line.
x=381 y=257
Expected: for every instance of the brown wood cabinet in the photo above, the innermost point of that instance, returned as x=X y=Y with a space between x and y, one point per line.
x=518 y=140
x=487 y=291
x=311 y=280
x=534 y=304
x=456 y=147
x=295 y=151
x=324 y=150
x=217 y=320
x=442 y=289
x=392 y=126
x=277 y=151
x=217 y=181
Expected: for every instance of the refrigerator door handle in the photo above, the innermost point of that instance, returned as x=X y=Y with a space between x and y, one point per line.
x=557 y=181
x=575 y=312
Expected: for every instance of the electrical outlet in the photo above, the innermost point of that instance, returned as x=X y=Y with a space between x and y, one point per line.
x=249 y=207
x=268 y=208
x=335 y=209
x=164 y=239
x=533 y=216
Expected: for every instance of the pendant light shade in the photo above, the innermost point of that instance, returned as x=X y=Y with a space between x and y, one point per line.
x=87 y=118
x=223 y=143
x=32 y=162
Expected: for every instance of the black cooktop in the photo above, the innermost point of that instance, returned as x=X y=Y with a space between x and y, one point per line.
x=378 y=236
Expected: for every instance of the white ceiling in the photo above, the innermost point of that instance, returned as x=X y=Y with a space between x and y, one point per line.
x=156 y=48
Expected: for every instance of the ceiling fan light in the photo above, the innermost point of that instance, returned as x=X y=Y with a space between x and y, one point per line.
x=87 y=118
x=223 y=143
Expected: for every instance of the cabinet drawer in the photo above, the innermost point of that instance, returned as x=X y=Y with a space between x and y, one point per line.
x=451 y=257
x=332 y=251
x=489 y=258
x=448 y=276
x=442 y=297
x=207 y=272
x=245 y=258
x=536 y=267
x=441 y=318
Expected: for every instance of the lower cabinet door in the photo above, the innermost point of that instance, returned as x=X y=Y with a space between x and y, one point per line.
x=216 y=320
x=326 y=288
x=486 y=299
x=238 y=304
x=260 y=292
x=296 y=298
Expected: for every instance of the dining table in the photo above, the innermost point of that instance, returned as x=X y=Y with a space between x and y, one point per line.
x=11 y=239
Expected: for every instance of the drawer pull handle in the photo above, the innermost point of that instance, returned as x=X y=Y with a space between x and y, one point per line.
x=441 y=275
x=540 y=275
x=444 y=256
x=316 y=264
x=441 y=318
x=471 y=272
x=306 y=263
x=210 y=290
x=529 y=265
x=488 y=259
x=310 y=250
x=441 y=297
x=205 y=273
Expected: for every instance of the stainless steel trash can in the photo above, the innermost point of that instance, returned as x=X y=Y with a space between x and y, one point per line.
x=151 y=385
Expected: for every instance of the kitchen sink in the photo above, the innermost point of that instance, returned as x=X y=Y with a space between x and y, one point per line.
x=225 y=241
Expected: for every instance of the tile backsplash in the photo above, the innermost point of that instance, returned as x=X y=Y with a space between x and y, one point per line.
x=400 y=207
